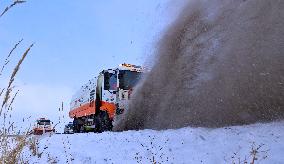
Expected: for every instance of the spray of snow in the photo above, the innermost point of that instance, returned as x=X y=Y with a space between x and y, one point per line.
x=220 y=63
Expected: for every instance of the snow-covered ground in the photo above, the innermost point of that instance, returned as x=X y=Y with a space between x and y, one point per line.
x=186 y=145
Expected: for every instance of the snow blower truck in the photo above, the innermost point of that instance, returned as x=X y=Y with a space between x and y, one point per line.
x=97 y=106
x=42 y=126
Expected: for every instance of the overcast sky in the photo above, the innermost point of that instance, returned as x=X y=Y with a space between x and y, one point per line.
x=74 y=41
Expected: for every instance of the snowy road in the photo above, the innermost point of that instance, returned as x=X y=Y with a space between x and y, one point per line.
x=186 y=145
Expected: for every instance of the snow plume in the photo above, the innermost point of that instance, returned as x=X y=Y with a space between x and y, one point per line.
x=220 y=63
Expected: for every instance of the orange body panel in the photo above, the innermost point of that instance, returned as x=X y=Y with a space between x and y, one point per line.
x=88 y=109
x=39 y=131
x=83 y=110
x=109 y=107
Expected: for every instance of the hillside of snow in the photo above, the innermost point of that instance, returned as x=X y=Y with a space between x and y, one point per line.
x=263 y=142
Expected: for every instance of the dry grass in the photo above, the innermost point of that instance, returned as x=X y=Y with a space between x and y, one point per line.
x=7 y=60
x=12 y=79
x=256 y=154
x=33 y=146
x=16 y=2
x=13 y=155
x=11 y=146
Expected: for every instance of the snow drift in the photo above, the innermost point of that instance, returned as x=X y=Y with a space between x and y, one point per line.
x=220 y=63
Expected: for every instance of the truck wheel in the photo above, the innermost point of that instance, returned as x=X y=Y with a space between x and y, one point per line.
x=106 y=123
x=102 y=122
x=75 y=128
x=82 y=129
x=97 y=121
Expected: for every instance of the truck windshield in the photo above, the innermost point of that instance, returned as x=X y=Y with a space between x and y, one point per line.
x=128 y=79
x=43 y=122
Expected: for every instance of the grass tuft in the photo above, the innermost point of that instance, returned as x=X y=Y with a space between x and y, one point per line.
x=16 y=2
x=12 y=78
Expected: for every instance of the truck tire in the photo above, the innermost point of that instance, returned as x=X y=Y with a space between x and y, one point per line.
x=106 y=123
x=102 y=122
x=77 y=128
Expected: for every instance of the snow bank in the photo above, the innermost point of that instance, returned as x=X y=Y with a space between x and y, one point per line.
x=186 y=145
